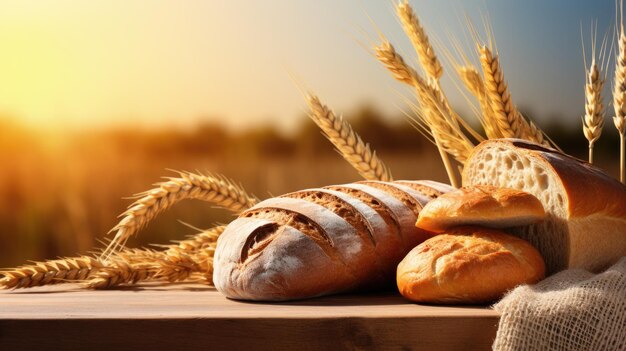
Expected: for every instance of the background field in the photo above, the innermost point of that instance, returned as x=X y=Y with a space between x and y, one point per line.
x=61 y=193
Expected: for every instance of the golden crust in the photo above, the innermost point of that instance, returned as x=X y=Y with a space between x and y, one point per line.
x=468 y=265
x=483 y=205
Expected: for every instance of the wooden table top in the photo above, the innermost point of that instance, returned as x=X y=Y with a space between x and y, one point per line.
x=198 y=317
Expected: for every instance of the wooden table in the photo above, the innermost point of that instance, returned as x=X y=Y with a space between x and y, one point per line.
x=196 y=317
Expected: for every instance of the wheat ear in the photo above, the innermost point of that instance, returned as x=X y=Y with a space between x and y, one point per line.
x=216 y=189
x=474 y=83
x=416 y=33
x=439 y=119
x=134 y=265
x=348 y=142
x=619 y=101
x=50 y=272
x=593 y=121
x=507 y=119
x=196 y=242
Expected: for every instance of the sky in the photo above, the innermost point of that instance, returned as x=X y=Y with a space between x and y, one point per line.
x=104 y=63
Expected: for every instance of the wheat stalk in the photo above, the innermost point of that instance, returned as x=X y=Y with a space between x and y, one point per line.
x=437 y=115
x=197 y=242
x=119 y=272
x=474 y=83
x=216 y=189
x=416 y=33
x=134 y=265
x=619 y=100
x=176 y=262
x=507 y=119
x=593 y=121
x=50 y=272
x=348 y=142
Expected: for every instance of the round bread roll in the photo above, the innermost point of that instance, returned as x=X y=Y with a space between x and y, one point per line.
x=482 y=205
x=468 y=265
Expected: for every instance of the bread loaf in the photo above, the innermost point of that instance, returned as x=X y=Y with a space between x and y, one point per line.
x=482 y=205
x=585 y=225
x=468 y=265
x=322 y=241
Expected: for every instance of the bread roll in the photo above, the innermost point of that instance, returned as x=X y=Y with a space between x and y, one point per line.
x=483 y=205
x=585 y=225
x=468 y=265
x=321 y=241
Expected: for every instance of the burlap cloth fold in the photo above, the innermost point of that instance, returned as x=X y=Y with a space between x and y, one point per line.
x=571 y=310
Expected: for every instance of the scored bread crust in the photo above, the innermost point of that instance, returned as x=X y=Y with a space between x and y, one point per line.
x=483 y=205
x=468 y=265
x=321 y=241
x=585 y=226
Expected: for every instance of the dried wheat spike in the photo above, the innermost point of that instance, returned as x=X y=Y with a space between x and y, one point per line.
x=419 y=39
x=50 y=272
x=506 y=116
x=348 y=142
x=131 y=266
x=474 y=83
x=437 y=115
x=396 y=65
x=593 y=121
x=177 y=266
x=118 y=272
x=619 y=100
x=196 y=242
x=204 y=258
x=509 y=122
x=216 y=189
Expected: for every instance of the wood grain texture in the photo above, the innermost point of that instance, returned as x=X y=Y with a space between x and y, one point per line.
x=197 y=317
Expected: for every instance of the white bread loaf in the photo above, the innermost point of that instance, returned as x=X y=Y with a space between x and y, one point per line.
x=468 y=265
x=482 y=205
x=585 y=226
x=322 y=241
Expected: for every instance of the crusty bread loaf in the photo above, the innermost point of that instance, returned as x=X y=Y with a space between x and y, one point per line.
x=585 y=226
x=482 y=205
x=321 y=241
x=468 y=265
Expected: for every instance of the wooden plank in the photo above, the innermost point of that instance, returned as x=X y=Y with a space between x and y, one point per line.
x=197 y=317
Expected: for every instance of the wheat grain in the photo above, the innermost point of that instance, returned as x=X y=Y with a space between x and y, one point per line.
x=216 y=189
x=593 y=121
x=619 y=100
x=419 y=39
x=348 y=142
x=50 y=272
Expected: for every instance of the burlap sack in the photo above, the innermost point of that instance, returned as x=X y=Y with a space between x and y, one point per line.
x=571 y=310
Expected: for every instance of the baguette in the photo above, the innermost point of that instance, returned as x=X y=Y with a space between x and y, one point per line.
x=585 y=225
x=482 y=205
x=322 y=241
x=468 y=265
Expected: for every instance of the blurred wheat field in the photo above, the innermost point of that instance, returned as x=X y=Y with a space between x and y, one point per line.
x=61 y=193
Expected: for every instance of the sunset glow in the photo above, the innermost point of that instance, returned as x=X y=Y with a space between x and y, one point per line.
x=105 y=63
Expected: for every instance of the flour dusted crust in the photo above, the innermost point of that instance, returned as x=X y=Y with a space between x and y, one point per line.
x=468 y=265
x=585 y=225
x=483 y=205
x=319 y=241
